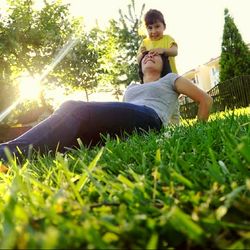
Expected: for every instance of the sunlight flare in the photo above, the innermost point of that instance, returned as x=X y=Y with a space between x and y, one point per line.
x=29 y=88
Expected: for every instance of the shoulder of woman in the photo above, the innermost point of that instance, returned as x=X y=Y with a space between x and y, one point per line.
x=132 y=84
x=170 y=78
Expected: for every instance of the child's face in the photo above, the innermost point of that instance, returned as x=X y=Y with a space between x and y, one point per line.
x=155 y=30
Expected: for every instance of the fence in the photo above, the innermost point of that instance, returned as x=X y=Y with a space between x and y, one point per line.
x=233 y=93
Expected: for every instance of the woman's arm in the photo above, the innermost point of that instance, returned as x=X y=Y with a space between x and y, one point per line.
x=186 y=87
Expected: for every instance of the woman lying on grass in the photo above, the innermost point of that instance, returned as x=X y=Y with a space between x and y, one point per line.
x=146 y=106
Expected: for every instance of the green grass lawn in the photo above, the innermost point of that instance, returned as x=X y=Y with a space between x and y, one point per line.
x=185 y=188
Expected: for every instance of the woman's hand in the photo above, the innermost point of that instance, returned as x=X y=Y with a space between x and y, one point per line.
x=186 y=87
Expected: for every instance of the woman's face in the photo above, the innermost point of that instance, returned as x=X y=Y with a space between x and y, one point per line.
x=151 y=62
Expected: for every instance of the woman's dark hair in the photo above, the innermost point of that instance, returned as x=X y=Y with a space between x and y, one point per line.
x=152 y=16
x=165 y=65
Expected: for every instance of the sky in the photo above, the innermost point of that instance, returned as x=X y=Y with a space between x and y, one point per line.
x=196 y=25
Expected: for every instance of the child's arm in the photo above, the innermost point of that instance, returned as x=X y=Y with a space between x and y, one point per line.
x=141 y=50
x=172 y=51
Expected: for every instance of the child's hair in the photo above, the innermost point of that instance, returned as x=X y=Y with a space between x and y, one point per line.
x=165 y=65
x=152 y=16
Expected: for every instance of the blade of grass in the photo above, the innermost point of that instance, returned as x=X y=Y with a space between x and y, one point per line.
x=82 y=181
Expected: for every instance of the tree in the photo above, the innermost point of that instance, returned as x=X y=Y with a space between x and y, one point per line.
x=130 y=38
x=235 y=55
x=120 y=43
x=29 y=40
x=81 y=66
x=34 y=36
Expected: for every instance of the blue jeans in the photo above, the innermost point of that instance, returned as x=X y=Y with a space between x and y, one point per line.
x=84 y=120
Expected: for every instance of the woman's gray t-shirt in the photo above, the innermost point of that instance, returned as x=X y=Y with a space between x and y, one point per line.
x=159 y=95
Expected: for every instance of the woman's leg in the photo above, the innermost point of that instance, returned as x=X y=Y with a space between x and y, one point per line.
x=84 y=120
x=115 y=118
x=58 y=130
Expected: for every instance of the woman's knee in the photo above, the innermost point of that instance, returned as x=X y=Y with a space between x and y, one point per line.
x=74 y=110
x=69 y=107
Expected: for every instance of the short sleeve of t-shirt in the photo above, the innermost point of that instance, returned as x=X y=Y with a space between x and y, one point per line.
x=171 y=41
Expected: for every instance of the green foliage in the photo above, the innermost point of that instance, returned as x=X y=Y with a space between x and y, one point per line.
x=29 y=40
x=122 y=42
x=81 y=66
x=235 y=55
x=130 y=39
x=26 y=37
x=187 y=187
x=7 y=94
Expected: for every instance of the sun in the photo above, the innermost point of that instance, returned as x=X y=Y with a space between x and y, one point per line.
x=29 y=88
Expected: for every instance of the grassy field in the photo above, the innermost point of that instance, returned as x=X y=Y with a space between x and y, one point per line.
x=185 y=188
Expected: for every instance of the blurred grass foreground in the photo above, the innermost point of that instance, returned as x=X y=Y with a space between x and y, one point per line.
x=185 y=188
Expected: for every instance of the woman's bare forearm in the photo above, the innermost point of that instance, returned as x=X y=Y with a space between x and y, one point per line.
x=204 y=108
x=205 y=102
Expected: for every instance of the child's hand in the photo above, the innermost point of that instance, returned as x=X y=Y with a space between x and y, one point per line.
x=143 y=49
x=158 y=51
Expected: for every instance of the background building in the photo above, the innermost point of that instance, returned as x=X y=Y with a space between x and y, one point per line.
x=205 y=76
